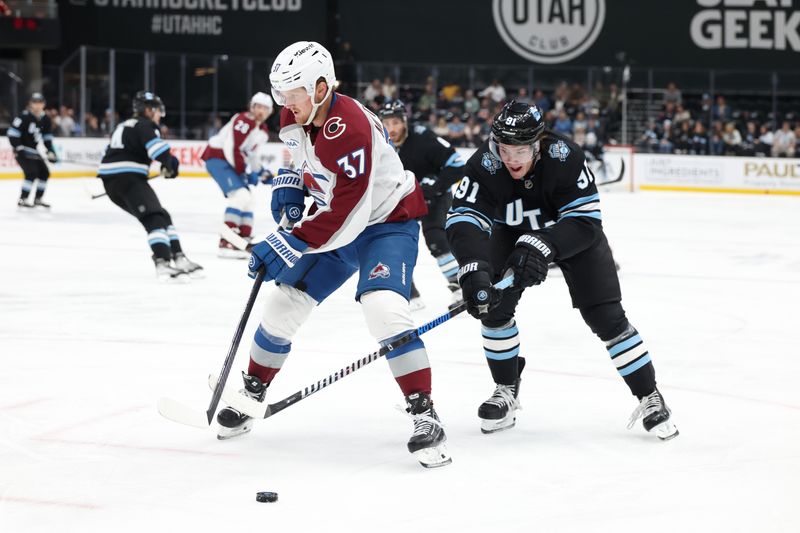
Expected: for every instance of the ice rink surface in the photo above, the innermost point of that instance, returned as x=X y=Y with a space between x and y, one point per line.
x=89 y=341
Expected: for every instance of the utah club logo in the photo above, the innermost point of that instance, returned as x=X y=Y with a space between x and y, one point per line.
x=380 y=271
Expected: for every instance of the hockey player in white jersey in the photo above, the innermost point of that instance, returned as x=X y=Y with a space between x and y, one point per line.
x=363 y=219
x=232 y=159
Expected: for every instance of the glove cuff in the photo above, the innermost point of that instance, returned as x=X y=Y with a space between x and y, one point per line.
x=287 y=246
x=289 y=179
x=529 y=240
x=472 y=266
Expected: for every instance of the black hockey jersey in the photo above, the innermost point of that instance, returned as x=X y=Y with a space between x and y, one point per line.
x=557 y=199
x=27 y=131
x=134 y=143
x=433 y=160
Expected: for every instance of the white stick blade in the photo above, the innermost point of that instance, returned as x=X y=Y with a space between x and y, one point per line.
x=181 y=413
x=238 y=401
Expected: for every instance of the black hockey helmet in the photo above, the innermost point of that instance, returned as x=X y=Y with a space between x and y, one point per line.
x=518 y=123
x=147 y=99
x=394 y=108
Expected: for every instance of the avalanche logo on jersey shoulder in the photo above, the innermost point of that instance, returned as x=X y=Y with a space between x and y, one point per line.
x=490 y=162
x=559 y=150
x=311 y=181
x=380 y=271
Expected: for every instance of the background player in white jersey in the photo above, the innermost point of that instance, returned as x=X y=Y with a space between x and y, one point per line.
x=528 y=199
x=362 y=220
x=233 y=161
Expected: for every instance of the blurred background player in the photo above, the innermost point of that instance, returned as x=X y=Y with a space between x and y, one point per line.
x=233 y=161
x=27 y=130
x=124 y=170
x=541 y=183
x=363 y=220
x=437 y=166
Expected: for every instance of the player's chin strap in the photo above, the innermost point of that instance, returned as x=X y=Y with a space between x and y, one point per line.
x=255 y=409
x=315 y=107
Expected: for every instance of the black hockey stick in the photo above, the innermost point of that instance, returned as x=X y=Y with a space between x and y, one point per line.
x=96 y=196
x=255 y=409
x=618 y=178
x=183 y=414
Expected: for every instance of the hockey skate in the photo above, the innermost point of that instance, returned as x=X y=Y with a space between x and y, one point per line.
x=427 y=443
x=415 y=303
x=499 y=412
x=167 y=273
x=656 y=416
x=233 y=423
x=182 y=262
x=21 y=203
x=39 y=203
x=455 y=291
x=228 y=251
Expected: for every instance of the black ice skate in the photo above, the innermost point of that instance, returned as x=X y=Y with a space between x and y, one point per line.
x=427 y=443
x=183 y=263
x=455 y=292
x=23 y=204
x=39 y=203
x=415 y=303
x=233 y=423
x=167 y=273
x=655 y=415
x=499 y=412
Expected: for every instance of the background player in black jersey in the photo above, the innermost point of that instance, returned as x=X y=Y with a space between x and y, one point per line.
x=437 y=167
x=27 y=130
x=527 y=200
x=125 y=171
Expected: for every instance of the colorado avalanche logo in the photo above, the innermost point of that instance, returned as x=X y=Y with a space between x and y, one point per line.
x=333 y=128
x=559 y=150
x=311 y=181
x=380 y=271
x=490 y=162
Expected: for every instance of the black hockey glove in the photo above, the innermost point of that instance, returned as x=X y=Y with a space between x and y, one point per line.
x=530 y=259
x=475 y=278
x=429 y=187
x=170 y=170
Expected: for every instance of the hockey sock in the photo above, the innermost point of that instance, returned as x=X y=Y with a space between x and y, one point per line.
x=501 y=347
x=267 y=355
x=449 y=266
x=27 y=186
x=41 y=186
x=159 y=243
x=174 y=241
x=233 y=217
x=632 y=360
x=409 y=365
x=246 y=225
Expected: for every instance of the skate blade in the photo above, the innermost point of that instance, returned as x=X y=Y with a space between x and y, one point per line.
x=230 y=433
x=434 y=457
x=197 y=274
x=665 y=431
x=493 y=426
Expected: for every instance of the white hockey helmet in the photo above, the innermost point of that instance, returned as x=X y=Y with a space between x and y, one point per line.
x=300 y=65
x=261 y=99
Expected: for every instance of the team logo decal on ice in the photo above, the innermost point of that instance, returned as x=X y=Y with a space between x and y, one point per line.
x=559 y=150
x=490 y=162
x=333 y=128
x=549 y=31
x=311 y=181
x=380 y=271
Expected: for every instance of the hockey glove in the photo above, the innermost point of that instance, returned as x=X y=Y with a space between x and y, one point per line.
x=430 y=188
x=529 y=260
x=279 y=251
x=170 y=170
x=475 y=278
x=252 y=178
x=266 y=176
x=52 y=157
x=288 y=196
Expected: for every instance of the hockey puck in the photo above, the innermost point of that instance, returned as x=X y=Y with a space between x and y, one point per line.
x=266 y=497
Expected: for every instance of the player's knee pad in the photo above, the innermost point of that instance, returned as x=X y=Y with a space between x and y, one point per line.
x=387 y=314
x=240 y=199
x=285 y=310
x=155 y=220
x=607 y=320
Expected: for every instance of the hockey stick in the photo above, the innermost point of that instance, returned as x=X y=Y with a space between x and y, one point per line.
x=618 y=178
x=183 y=414
x=255 y=409
x=96 y=196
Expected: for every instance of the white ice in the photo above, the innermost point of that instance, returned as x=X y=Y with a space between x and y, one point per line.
x=89 y=341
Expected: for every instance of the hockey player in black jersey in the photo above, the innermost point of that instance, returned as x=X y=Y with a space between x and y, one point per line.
x=125 y=171
x=27 y=130
x=527 y=200
x=437 y=167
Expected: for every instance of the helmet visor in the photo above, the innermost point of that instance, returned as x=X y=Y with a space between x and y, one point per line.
x=289 y=96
